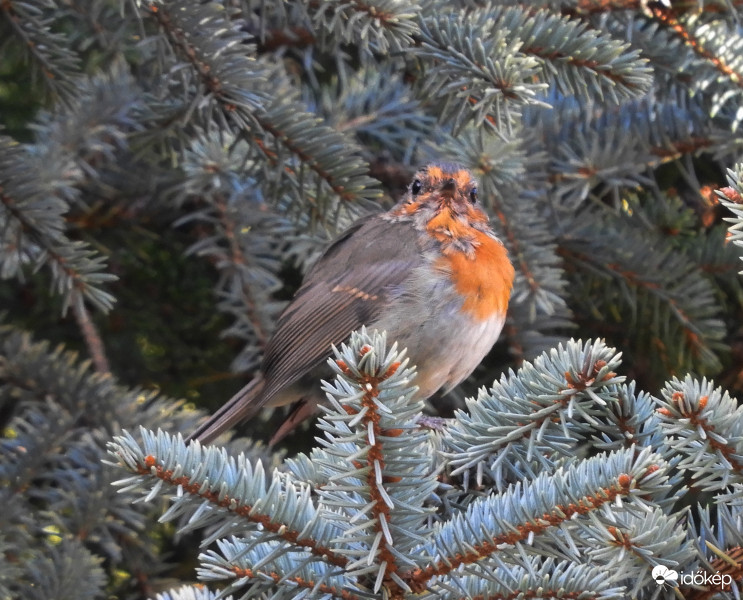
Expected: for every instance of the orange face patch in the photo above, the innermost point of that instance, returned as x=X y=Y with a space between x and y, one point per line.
x=437 y=176
x=443 y=228
x=483 y=280
x=446 y=227
x=432 y=190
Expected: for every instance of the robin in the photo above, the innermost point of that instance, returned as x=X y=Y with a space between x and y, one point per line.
x=430 y=272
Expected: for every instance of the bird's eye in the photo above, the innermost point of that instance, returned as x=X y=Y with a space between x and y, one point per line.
x=416 y=187
x=473 y=195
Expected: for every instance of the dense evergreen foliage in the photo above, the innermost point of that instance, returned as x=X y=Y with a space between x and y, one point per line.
x=168 y=170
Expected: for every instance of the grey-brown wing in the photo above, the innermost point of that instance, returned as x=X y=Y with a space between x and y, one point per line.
x=345 y=289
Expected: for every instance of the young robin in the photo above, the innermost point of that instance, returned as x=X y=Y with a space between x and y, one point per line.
x=430 y=272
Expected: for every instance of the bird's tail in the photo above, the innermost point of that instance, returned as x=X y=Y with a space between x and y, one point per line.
x=240 y=407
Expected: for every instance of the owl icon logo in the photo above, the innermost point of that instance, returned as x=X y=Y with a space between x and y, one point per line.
x=664 y=576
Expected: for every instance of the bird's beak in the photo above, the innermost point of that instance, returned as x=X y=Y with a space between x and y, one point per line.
x=449 y=188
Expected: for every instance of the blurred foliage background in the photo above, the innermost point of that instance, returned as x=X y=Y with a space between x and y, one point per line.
x=168 y=170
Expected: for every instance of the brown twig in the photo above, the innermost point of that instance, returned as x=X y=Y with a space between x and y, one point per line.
x=92 y=338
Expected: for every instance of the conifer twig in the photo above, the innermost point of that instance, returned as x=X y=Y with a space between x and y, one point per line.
x=92 y=338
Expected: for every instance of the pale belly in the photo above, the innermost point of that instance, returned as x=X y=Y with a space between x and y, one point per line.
x=444 y=342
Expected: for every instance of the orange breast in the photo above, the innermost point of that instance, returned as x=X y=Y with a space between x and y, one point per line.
x=483 y=279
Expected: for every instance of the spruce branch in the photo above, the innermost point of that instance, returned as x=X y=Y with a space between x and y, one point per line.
x=93 y=134
x=528 y=416
x=253 y=293
x=253 y=100
x=601 y=153
x=532 y=509
x=631 y=420
x=641 y=540
x=353 y=519
x=315 y=147
x=718 y=537
x=378 y=107
x=689 y=76
x=590 y=7
x=373 y=484
x=281 y=38
x=374 y=26
x=276 y=505
x=272 y=572
x=705 y=426
x=30 y=24
x=245 y=238
x=565 y=580
x=570 y=55
x=67 y=571
x=59 y=504
x=721 y=49
x=191 y=592
x=218 y=53
x=10 y=572
x=92 y=338
x=667 y=288
x=611 y=537
x=732 y=198
x=719 y=259
x=381 y=476
x=40 y=183
x=576 y=59
x=252 y=125
x=694 y=33
x=481 y=77
x=32 y=217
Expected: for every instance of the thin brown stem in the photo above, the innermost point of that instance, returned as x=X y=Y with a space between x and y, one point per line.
x=92 y=338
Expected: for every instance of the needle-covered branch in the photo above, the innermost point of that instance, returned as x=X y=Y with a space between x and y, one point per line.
x=530 y=415
x=732 y=198
x=597 y=130
x=705 y=426
x=369 y=514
